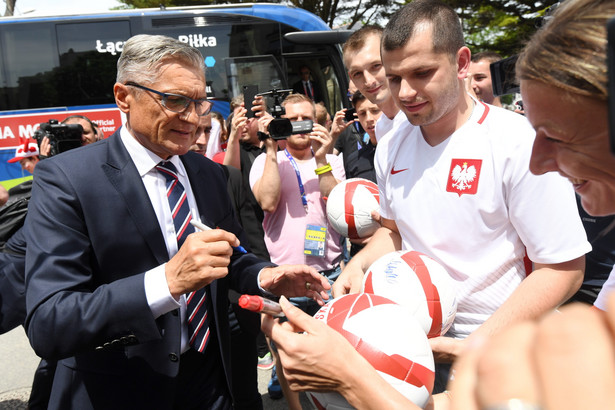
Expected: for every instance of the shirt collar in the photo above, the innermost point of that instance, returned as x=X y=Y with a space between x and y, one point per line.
x=144 y=159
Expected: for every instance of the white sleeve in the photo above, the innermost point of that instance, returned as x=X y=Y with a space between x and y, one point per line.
x=543 y=208
x=157 y=292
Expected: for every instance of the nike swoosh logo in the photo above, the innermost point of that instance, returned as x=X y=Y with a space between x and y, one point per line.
x=397 y=171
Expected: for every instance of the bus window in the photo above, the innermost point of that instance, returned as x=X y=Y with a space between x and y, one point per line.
x=26 y=82
x=218 y=41
x=88 y=57
x=262 y=71
x=323 y=74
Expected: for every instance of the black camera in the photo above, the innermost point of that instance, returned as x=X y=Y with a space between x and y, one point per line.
x=62 y=137
x=281 y=128
x=350 y=115
x=503 y=76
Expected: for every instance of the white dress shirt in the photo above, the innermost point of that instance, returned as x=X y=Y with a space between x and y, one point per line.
x=156 y=288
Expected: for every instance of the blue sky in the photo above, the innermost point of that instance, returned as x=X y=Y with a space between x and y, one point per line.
x=47 y=7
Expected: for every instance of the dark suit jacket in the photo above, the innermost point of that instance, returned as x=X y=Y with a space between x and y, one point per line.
x=91 y=234
x=12 y=286
x=298 y=88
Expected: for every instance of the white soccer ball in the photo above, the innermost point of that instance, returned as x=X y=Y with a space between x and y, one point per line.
x=417 y=281
x=391 y=340
x=349 y=207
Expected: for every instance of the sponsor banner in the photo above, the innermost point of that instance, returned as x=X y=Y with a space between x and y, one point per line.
x=14 y=127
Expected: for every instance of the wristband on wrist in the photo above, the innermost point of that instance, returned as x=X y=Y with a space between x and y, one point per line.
x=323 y=169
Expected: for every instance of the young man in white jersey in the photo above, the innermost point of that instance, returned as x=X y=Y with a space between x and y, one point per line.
x=455 y=184
x=366 y=72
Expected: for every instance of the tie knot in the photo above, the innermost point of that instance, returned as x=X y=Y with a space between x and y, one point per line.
x=167 y=169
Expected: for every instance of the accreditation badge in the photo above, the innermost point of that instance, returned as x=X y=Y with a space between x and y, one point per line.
x=315 y=237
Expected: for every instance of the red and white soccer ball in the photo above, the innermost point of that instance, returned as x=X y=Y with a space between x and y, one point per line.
x=417 y=281
x=349 y=208
x=385 y=334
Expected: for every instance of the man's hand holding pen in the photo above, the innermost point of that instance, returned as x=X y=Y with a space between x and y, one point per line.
x=203 y=258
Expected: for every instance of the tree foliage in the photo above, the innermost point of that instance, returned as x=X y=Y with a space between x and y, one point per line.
x=502 y=26
x=333 y=12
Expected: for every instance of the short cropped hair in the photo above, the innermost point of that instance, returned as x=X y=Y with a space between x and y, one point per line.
x=236 y=101
x=356 y=41
x=321 y=113
x=144 y=54
x=357 y=97
x=296 y=98
x=490 y=56
x=446 y=28
x=71 y=118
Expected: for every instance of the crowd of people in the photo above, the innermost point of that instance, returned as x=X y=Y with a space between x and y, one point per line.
x=130 y=305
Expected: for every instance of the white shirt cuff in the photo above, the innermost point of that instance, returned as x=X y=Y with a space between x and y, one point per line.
x=157 y=292
x=263 y=290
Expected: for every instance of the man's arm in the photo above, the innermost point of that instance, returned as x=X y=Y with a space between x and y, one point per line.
x=386 y=239
x=322 y=145
x=307 y=366
x=547 y=287
x=268 y=187
x=232 y=156
x=338 y=126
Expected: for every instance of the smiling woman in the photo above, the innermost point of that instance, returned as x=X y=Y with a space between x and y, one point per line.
x=564 y=90
x=555 y=361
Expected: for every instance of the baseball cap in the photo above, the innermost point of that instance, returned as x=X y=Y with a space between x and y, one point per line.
x=29 y=148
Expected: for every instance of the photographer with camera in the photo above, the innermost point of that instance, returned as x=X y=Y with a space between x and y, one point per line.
x=291 y=185
x=74 y=131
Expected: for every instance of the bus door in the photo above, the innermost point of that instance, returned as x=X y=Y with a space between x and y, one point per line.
x=263 y=71
x=325 y=76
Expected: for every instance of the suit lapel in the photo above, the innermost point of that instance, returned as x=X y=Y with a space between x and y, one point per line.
x=124 y=176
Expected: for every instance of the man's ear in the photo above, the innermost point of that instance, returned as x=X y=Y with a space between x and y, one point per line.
x=464 y=58
x=123 y=98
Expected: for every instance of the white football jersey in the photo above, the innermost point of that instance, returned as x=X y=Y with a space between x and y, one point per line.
x=472 y=204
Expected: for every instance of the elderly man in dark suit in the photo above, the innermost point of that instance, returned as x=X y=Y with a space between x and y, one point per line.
x=120 y=288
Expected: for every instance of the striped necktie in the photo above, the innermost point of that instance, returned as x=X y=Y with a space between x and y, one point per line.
x=196 y=308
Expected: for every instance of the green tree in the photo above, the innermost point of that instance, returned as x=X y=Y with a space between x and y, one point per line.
x=349 y=13
x=500 y=25
x=333 y=12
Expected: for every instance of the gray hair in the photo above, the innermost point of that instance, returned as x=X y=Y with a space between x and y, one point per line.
x=144 y=54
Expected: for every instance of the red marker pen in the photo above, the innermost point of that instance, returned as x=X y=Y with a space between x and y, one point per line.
x=261 y=305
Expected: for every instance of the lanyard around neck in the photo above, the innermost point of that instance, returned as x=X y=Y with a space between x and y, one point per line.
x=301 y=187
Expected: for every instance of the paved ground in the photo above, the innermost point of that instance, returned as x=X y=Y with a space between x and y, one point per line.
x=18 y=363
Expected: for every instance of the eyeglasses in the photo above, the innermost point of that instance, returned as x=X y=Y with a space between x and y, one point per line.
x=178 y=103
